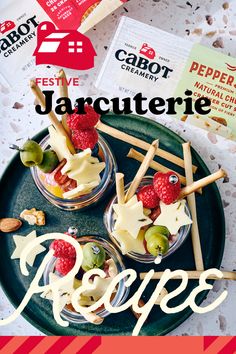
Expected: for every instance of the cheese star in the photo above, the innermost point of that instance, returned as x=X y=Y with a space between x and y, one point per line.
x=173 y=216
x=21 y=242
x=80 y=190
x=127 y=242
x=100 y=286
x=65 y=291
x=130 y=217
x=58 y=144
x=83 y=167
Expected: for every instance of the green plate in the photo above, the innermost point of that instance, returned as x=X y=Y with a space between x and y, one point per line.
x=18 y=192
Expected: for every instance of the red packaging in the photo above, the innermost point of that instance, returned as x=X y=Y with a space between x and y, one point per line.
x=68 y=14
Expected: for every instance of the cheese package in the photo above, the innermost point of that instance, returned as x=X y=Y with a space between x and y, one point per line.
x=145 y=59
x=70 y=14
x=18 y=27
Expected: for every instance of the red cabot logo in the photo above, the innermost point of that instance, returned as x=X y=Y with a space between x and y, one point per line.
x=66 y=48
x=147 y=51
x=6 y=26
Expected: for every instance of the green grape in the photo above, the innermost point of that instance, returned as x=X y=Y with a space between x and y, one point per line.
x=157 y=244
x=154 y=230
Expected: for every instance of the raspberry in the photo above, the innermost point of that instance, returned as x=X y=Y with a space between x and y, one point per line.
x=64 y=265
x=63 y=249
x=148 y=196
x=167 y=186
x=83 y=121
x=84 y=139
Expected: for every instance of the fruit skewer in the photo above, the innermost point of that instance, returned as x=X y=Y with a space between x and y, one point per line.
x=63 y=92
x=115 y=133
x=142 y=170
x=197 y=251
x=194 y=274
x=52 y=116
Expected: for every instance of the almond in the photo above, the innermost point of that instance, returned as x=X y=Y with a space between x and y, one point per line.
x=9 y=224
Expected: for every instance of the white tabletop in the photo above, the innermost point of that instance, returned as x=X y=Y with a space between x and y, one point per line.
x=185 y=19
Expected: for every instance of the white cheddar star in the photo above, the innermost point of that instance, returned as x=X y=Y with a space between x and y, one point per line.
x=80 y=190
x=100 y=286
x=128 y=243
x=130 y=217
x=65 y=291
x=83 y=167
x=173 y=216
x=21 y=242
x=58 y=144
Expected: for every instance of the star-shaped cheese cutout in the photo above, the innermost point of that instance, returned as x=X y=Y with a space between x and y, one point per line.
x=128 y=243
x=130 y=217
x=65 y=291
x=58 y=143
x=100 y=286
x=83 y=167
x=21 y=242
x=173 y=216
x=80 y=190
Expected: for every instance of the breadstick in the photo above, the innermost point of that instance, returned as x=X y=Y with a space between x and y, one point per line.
x=93 y=318
x=134 y=154
x=142 y=170
x=53 y=118
x=197 y=251
x=194 y=274
x=202 y=183
x=63 y=92
x=141 y=303
x=120 y=190
x=115 y=133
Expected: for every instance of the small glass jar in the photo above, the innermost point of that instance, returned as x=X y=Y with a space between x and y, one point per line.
x=121 y=293
x=176 y=242
x=83 y=201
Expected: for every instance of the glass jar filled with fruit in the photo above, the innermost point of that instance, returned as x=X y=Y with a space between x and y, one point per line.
x=152 y=224
x=97 y=253
x=71 y=181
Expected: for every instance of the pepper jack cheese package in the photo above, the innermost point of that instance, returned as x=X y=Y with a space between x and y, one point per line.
x=145 y=59
x=18 y=32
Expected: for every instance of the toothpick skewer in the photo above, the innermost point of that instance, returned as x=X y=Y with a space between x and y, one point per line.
x=142 y=170
x=197 y=251
x=115 y=133
x=202 y=183
x=194 y=274
x=63 y=92
x=52 y=116
x=120 y=189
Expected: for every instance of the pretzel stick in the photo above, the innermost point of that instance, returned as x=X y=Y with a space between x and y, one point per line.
x=53 y=118
x=120 y=189
x=202 y=183
x=134 y=154
x=115 y=133
x=63 y=92
x=197 y=251
x=142 y=170
x=93 y=318
x=194 y=274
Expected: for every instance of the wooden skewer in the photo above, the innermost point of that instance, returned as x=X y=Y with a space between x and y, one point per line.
x=193 y=274
x=134 y=154
x=120 y=188
x=197 y=251
x=140 y=143
x=52 y=116
x=142 y=170
x=63 y=91
x=202 y=183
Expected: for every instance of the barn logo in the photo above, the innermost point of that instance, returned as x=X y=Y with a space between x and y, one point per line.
x=147 y=51
x=65 y=48
x=6 y=26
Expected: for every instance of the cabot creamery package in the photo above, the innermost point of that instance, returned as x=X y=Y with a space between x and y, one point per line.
x=18 y=32
x=145 y=59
